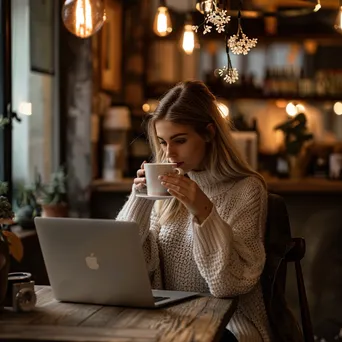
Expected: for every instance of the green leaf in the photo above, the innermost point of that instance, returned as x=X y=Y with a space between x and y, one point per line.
x=3 y=188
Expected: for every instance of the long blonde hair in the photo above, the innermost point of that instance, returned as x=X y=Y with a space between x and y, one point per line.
x=191 y=103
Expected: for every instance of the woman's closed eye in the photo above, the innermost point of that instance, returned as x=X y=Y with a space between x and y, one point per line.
x=180 y=141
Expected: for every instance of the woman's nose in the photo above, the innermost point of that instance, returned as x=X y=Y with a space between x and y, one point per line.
x=170 y=152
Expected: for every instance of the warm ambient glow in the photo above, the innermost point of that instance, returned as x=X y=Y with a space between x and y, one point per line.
x=224 y=110
x=83 y=18
x=338 y=22
x=294 y=109
x=150 y=106
x=25 y=108
x=162 y=23
x=300 y=108
x=338 y=108
x=188 y=40
x=281 y=103
x=291 y=109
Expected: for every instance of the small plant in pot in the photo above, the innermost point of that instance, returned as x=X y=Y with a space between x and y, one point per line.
x=10 y=244
x=296 y=136
x=28 y=207
x=53 y=196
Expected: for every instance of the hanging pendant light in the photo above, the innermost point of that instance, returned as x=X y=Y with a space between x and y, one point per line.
x=83 y=18
x=188 y=37
x=318 y=6
x=162 y=25
x=205 y=6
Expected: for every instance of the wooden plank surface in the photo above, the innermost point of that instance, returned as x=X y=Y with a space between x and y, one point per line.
x=199 y=319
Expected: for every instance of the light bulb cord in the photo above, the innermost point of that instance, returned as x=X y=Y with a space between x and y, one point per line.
x=188 y=17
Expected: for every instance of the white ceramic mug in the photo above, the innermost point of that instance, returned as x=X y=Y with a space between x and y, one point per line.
x=153 y=171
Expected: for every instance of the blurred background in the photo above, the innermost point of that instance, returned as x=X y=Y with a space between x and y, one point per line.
x=75 y=89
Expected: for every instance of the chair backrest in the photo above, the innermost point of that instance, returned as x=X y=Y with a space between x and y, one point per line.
x=278 y=243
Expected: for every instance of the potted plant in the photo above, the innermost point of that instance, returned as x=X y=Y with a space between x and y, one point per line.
x=28 y=207
x=10 y=244
x=296 y=136
x=53 y=196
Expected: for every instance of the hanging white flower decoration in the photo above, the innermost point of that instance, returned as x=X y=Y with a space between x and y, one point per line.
x=216 y=17
x=239 y=43
x=229 y=74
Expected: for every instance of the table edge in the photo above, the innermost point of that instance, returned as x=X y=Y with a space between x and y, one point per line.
x=226 y=318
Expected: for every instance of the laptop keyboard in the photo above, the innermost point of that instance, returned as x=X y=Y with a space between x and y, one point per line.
x=159 y=299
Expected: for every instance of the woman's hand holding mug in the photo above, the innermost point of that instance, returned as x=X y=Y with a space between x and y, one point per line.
x=140 y=180
x=148 y=177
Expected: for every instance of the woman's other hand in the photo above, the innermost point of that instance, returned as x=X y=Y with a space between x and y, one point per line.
x=189 y=193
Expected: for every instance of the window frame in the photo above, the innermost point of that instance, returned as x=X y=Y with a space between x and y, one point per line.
x=6 y=95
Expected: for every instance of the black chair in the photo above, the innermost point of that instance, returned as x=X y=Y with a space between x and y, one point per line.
x=281 y=249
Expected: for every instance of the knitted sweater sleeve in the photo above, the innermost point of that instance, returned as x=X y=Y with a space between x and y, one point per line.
x=230 y=253
x=141 y=211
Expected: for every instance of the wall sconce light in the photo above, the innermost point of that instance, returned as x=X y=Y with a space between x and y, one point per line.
x=83 y=18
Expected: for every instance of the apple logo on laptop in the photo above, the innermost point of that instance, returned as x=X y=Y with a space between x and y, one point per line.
x=91 y=262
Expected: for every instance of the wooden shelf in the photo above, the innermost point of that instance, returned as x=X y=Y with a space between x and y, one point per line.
x=235 y=93
x=276 y=185
x=288 y=98
x=123 y=185
x=304 y=185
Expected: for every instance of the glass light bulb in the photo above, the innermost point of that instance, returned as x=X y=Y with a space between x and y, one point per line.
x=83 y=18
x=338 y=108
x=291 y=109
x=162 y=22
x=188 y=41
x=317 y=7
x=338 y=22
x=205 y=6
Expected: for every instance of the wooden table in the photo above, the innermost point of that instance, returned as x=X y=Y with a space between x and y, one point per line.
x=199 y=319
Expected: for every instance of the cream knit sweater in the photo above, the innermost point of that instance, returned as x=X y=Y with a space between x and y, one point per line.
x=224 y=255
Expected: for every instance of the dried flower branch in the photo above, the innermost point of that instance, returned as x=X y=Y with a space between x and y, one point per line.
x=240 y=44
x=229 y=74
x=217 y=17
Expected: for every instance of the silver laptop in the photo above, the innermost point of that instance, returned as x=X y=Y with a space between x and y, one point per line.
x=98 y=262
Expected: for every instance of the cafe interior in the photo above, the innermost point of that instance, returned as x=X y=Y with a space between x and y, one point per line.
x=78 y=79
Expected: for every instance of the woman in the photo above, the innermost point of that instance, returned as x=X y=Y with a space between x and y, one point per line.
x=209 y=236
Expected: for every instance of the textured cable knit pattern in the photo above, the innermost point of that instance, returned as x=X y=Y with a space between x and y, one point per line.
x=224 y=255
